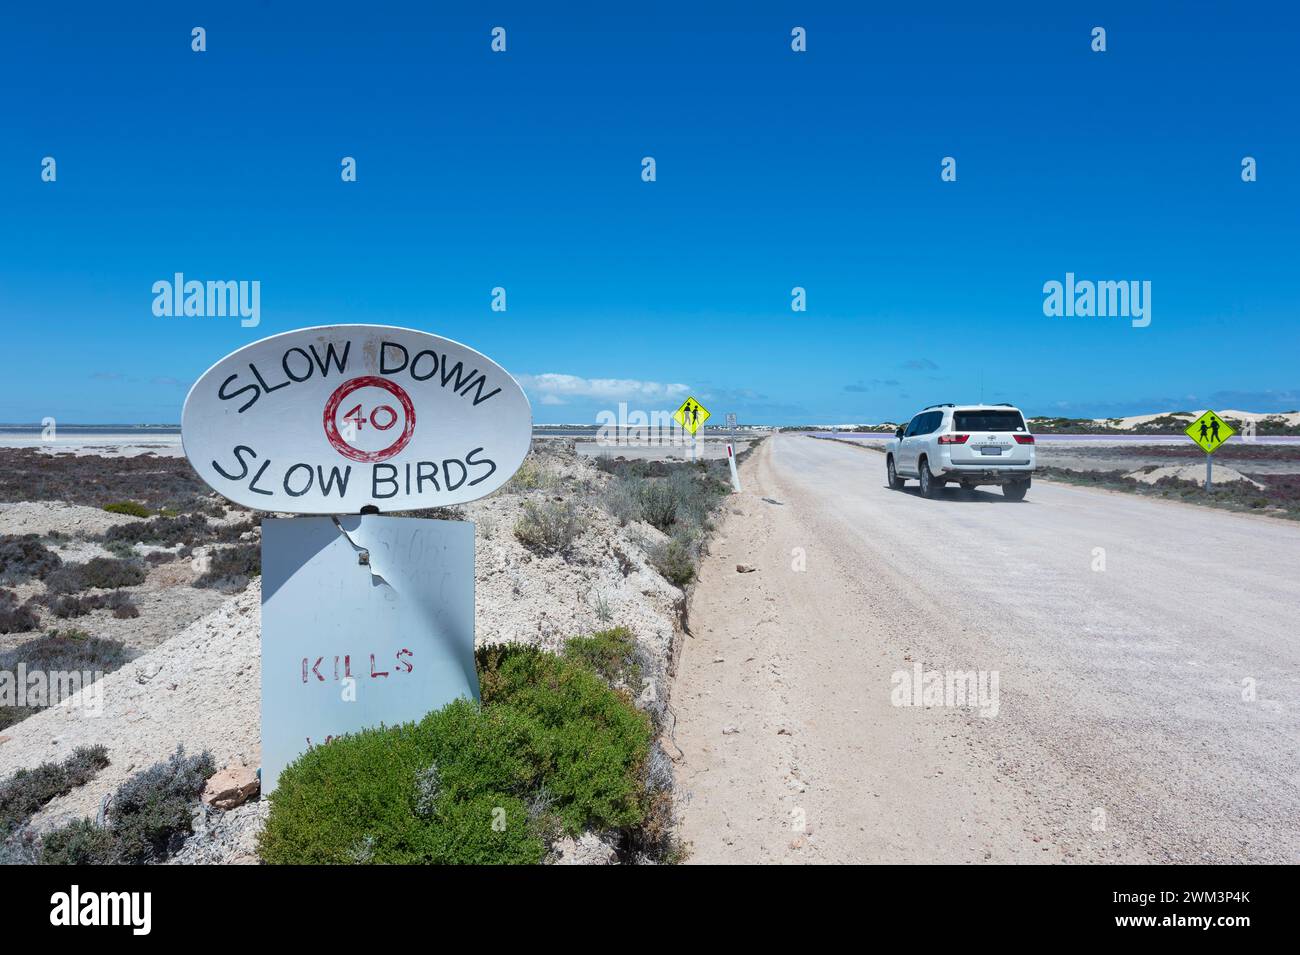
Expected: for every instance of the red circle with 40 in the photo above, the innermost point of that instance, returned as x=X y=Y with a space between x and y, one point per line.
x=362 y=417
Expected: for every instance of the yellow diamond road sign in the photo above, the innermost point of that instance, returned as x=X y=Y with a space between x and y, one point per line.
x=1209 y=431
x=691 y=415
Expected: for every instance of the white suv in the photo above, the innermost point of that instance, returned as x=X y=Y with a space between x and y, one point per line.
x=963 y=444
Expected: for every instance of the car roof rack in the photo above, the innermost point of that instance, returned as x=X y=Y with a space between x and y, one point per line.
x=945 y=404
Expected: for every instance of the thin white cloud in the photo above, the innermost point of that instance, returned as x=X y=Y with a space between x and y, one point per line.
x=555 y=389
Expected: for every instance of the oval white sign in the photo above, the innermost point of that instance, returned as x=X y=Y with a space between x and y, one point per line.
x=328 y=420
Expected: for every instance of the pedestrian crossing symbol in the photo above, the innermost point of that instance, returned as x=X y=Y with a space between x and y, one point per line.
x=691 y=415
x=1209 y=431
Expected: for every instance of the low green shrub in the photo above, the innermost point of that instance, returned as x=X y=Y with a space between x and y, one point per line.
x=595 y=740
x=367 y=797
x=550 y=747
x=130 y=508
x=611 y=653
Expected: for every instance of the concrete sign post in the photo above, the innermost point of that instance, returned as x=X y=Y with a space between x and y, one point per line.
x=366 y=619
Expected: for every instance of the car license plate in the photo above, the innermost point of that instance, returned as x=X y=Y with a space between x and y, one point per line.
x=990 y=449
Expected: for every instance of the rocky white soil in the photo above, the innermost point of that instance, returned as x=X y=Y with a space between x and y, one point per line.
x=45 y=517
x=1193 y=472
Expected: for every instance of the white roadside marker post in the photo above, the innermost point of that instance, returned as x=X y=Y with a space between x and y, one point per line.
x=731 y=453
x=731 y=460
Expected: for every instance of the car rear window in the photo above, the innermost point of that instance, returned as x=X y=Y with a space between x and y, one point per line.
x=988 y=421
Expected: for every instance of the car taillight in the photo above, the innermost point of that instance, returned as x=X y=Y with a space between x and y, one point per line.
x=953 y=438
x=1024 y=439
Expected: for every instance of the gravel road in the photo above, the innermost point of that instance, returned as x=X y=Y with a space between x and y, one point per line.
x=1145 y=712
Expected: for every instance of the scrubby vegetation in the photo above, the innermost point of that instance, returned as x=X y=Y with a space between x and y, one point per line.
x=434 y=513
x=107 y=573
x=231 y=568
x=60 y=651
x=676 y=499
x=551 y=527
x=23 y=557
x=118 y=601
x=148 y=818
x=675 y=559
x=16 y=617
x=30 y=474
x=26 y=791
x=169 y=531
x=666 y=496
x=552 y=748
x=533 y=475
x=121 y=549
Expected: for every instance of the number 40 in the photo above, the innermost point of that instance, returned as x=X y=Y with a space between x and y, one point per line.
x=356 y=420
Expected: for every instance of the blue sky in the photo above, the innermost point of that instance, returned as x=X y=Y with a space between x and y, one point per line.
x=775 y=169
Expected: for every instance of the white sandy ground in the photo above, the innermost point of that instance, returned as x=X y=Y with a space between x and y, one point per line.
x=1193 y=472
x=202 y=687
x=1291 y=418
x=1122 y=733
x=104 y=445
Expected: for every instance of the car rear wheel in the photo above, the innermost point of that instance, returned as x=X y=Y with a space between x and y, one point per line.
x=891 y=474
x=929 y=486
x=1015 y=491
